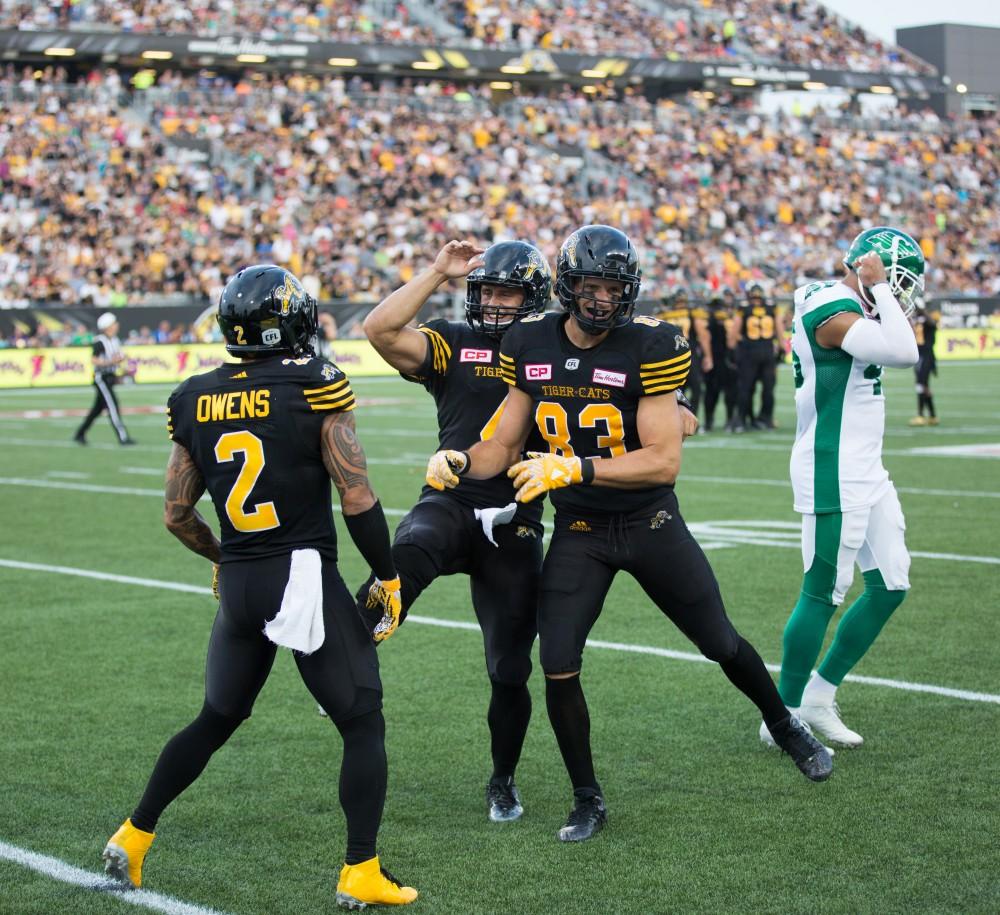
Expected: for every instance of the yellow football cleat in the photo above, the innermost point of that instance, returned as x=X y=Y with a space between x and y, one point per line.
x=125 y=852
x=918 y=421
x=367 y=883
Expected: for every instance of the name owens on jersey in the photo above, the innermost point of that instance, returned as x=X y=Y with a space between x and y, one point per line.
x=462 y=374
x=253 y=429
x=836 y=462
x=586 y=400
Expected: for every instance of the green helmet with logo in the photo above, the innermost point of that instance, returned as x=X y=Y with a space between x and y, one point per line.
x=903 y=261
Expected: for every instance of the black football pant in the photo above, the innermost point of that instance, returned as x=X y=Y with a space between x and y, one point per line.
x=342 y=676
x=755 y=362
x=104 y=399
x=721 y=381
x=655 y=547
x=441 y=536
x=925 y=367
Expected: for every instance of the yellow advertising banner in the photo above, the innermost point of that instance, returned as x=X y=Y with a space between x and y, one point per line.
x=164 y=363
x=967 y=343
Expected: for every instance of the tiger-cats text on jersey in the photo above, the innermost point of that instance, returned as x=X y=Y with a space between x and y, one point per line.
x=462 y=374
x=586 y=400
x=253 y=430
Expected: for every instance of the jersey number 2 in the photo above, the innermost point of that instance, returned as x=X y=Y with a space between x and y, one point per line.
x=263 y=517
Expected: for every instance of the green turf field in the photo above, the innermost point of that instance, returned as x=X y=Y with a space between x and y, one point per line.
x=95 y=674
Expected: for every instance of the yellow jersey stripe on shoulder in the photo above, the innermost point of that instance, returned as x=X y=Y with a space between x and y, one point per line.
x=664 y=388
x=335 y=395
x=646 y=366
x=309 y=392
x=442 y=352
x=650 y=377
x=345 y=405
x=505 y=358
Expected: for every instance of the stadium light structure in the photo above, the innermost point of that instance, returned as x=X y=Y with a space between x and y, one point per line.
x=814 y=86
x=425 y=65
x=880 y=90
x=743 y=81
x=343 y=61
x=251 y=58
x=60 y=52
x=157 y=55
x=501 y=84
x=514 y=69
x=961 y=88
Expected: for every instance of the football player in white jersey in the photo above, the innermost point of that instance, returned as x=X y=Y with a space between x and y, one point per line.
x=844 y=333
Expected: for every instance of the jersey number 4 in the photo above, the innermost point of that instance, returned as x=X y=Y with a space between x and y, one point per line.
x=263 y=516
x=553 y=423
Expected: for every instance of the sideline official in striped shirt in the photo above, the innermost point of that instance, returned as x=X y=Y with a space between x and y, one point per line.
x=107 y=357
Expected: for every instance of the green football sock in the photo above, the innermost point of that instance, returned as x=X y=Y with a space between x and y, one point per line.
x=803 y=640
x=859 y=627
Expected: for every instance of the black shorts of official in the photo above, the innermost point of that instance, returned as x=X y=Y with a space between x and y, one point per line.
x=655 y=547
x=441 y=536
x=342 y=674
x=925 y=367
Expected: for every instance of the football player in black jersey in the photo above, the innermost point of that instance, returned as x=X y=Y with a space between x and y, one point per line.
x=693 y=323
x=756 y=333
x=477 y=530
x=925 y=329
x=721 y=380
x=265 y=437
x=600 y=385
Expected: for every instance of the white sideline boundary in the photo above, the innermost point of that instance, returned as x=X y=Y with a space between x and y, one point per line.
x=904 y=685
x=67 y=873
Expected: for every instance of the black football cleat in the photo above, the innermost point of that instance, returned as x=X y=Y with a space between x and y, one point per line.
x=812 y=758
x=80 y=438
x=503 y=800
x=586 y=819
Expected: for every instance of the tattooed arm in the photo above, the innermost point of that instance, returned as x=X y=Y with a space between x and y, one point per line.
x=345 y=462
x=184 y=488
x=363 y=515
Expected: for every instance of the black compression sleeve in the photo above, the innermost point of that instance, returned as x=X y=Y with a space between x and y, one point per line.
x=370 y=534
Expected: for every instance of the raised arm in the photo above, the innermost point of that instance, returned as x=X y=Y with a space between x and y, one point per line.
x=184 y=487
x=387 y=325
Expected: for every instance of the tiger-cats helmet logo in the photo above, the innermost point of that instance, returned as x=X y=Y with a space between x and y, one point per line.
x=287 y=292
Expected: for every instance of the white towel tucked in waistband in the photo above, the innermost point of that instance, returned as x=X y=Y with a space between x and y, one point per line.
x=299 y=623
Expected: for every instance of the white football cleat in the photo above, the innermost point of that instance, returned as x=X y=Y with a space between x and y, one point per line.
x=825 y=719
x=768 y=740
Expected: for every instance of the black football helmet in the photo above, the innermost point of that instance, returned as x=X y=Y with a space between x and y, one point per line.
x=514 y=264
x=756 y=292
x=604 y=252
x=264 y=309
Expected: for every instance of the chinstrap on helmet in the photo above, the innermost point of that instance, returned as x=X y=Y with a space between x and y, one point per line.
x=513 y=265
x=605 y=253
x=264 y=309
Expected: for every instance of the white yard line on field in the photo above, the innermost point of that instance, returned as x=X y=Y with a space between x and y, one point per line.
x=966 y=695
x=67 y=873
x=714 y=534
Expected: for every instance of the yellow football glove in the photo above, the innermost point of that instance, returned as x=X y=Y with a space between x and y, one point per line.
x=215 y=580
x=386 y=596
x=444 y=468
x=543 y=472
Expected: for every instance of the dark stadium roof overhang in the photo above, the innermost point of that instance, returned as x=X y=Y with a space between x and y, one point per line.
x=428 y=62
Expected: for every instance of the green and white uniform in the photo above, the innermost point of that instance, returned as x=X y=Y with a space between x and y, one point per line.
x=836 y=463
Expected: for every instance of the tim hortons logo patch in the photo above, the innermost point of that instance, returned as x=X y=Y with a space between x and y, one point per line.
x=613 y=379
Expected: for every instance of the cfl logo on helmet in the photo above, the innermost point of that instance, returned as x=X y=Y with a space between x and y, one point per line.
x=269 y=336
x=534 y=371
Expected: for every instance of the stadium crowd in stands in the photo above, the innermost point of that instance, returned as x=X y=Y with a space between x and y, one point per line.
x=353 y=188
x=798 y=32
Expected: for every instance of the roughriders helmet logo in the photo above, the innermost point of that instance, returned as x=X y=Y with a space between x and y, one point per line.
x=286 y=293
